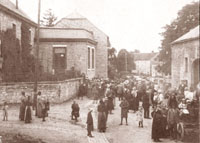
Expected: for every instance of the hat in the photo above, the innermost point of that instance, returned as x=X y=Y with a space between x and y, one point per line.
x=90 y=109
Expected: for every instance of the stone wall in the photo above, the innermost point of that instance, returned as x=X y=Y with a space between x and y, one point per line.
x=57 y=92
x=180 y=51
x=7 y=21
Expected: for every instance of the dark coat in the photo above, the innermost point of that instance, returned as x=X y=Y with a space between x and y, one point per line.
x=101 y=117
x=82 y=91
x=89 y=122
x=124 y=108
x=146 y=103
x=75 y=109
x=157 y=124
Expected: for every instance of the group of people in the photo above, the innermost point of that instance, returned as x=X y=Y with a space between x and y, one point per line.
x=141 y=96
x=28 y=103
x=168 y=105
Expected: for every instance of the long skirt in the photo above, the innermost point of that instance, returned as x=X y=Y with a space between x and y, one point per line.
x=101 y=121
x=28 y=116
x=110 y=104
x=39 y=110
x=156 y=129
x=22 y=112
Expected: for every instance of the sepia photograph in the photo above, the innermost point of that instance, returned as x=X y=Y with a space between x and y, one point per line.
x=99 y=71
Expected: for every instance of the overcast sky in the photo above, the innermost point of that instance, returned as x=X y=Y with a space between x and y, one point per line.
x=130 y=24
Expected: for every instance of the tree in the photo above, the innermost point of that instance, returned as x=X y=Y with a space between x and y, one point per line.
x=11 y=67
x=125 y=61
x=27 y=59
x=112 y=63
x=49 y=18
x=187 y=19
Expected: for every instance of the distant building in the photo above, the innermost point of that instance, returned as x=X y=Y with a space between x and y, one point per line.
x=74 y=42
x=185 y=59
x=146 y=63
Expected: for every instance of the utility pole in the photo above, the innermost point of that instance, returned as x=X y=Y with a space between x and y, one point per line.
x=37 y=52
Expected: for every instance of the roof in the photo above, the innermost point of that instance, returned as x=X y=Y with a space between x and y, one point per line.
x=192 y=34
x=143 y=56
x=72 y=34
x=73 y=21
x=75 y=15
x=8 y=6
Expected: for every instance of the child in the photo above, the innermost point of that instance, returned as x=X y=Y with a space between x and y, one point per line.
x=139 y=115
x=5 y=111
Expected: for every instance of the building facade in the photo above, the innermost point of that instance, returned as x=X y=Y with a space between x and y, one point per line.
x=74 y=42
x=185 y=59
x=146 y=63
x=11 y=17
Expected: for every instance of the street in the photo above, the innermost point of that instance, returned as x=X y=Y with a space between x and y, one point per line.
x=59 y=127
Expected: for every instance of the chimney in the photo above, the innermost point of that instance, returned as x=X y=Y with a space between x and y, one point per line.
x=16 y=4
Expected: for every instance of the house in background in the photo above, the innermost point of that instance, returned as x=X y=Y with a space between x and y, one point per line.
x=146 y=63
x=185 y=59
x=74 y=42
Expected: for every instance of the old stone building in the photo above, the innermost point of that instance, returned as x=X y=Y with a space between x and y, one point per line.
x=185 y=59
x=11 y=17
x=74 y=42
x=146 y=63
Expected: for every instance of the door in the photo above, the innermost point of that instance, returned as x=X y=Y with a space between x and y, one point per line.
x=59 y=60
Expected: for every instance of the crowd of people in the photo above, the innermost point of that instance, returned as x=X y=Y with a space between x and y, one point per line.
x=169 y=106
x=147 y=99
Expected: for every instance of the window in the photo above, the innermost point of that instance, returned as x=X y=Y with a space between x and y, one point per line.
x=14 y=29
x=88 y=58
x=29 y=36
x=92 y=58
x=186 y=64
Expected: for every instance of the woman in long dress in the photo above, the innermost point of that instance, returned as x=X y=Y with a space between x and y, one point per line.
x=22 y=107
x=28 y=110
x=39 y=105
x=157 y=124
x=101 y=117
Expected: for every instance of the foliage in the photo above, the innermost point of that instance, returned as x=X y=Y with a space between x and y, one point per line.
x=112 y=60
x=125 y=61
x=18 y=62
x=27 y=59
x=11 y=67
x=187 y=19
x=49 y=18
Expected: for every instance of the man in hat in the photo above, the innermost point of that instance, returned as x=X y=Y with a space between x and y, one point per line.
x=89 y=122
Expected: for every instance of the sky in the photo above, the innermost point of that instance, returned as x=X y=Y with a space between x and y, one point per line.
x=130 y=24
